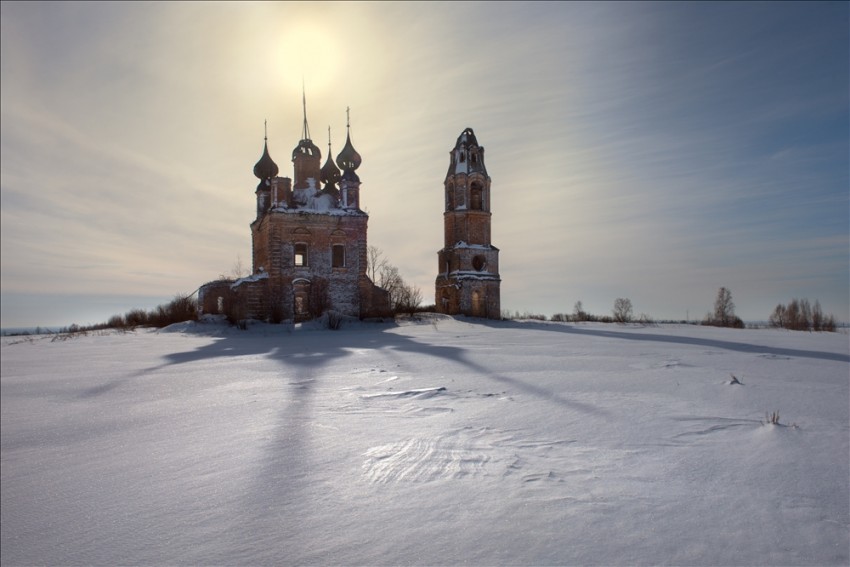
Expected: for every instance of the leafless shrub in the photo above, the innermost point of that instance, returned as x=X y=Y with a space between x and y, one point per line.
x=645 y=319
x=579 y=314
x=333 y=320
x=181 y=308
x=800 y=315
x=622 y=310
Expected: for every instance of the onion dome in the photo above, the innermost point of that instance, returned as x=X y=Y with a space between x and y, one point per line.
x=266 y=168
x=330 y=172
x=348 y=159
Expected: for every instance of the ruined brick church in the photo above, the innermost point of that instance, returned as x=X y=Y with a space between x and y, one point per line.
x=309 y=250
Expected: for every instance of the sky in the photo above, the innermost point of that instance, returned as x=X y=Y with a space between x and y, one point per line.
x=651 y=151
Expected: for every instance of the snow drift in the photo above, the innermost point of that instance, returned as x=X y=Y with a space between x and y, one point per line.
x=435 y=442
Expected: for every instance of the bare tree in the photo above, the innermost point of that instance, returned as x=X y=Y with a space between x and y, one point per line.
x=403 y=297
x=805 y=315
x=622 y=310
x=390 y=280
x=778 y=317
x=375 y=263
x=579 y=314
x=800 y=315
x=724 y=308
x=817 y=316
x=409 y=299
x=237 y=271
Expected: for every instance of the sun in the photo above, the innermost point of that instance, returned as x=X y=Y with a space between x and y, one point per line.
x=306 y=51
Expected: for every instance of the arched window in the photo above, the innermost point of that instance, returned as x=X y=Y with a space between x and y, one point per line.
x=476 y=197
x=301 y=299
x=338 y=256
x=460 y=197
x=301 y=255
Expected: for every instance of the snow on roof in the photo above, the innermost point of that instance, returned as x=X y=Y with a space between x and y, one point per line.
x=462 y=244
x=308 y=211
x=248 y=279
x=467 y=275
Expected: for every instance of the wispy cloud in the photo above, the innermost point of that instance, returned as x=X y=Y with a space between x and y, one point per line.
x=655 y=151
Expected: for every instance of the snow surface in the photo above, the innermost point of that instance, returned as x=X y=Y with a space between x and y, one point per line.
x=438 y=442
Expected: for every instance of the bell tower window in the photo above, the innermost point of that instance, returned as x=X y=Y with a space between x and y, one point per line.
x=301 y=255
x=476 y=197
x=338 y=256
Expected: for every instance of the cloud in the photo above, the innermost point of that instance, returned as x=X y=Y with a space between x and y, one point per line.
x=654 y=151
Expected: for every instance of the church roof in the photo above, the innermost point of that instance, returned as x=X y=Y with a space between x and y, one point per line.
x=467 y=156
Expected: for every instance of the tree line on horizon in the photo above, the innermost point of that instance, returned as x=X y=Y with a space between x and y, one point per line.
x=797 y=315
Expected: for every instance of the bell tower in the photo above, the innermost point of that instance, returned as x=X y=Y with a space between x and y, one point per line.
x=468 y=273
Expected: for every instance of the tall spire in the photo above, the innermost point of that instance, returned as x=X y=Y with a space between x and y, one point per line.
x=305 y=134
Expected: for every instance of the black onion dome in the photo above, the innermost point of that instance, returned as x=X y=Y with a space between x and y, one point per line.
x=348 y=159
x=266 y=168
x=308 y=148
x=330 y=173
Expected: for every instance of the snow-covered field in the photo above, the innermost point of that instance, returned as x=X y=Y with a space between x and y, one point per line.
x=439 y=442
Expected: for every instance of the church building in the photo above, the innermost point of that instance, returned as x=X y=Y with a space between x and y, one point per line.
x=308 y=241
x=468 y=273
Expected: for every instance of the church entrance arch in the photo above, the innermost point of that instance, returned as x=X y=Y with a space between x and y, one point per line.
x=478 y=304
x=301 y=299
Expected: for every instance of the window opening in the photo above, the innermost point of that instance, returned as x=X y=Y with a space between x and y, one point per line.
x=301 y=255
x=476 y=197
x=338 y=256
